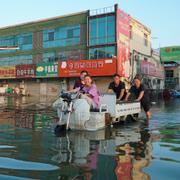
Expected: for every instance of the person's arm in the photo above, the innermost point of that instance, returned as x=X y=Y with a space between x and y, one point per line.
x=109 y=91
x=127 y=96
x=140 y=96
x=121 y=94
x=74 y=90
x=110 y=88
x=93 y=91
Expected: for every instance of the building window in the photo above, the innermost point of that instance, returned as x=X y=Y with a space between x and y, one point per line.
x=70 y=33
x=169 y=73
x=103 y=52
x=145 y=59
x=102 y=30
x=145 y=40
x=131 y=33
x=51 y=36
x=10 y=61
x=27 y=39
x=62 y=36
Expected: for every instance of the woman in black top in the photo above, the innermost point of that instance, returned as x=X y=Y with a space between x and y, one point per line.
x=141 y=95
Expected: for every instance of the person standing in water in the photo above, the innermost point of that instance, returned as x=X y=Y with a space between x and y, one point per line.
x=141 y=95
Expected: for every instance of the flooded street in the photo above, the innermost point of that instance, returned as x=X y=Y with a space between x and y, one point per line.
x=29 y=149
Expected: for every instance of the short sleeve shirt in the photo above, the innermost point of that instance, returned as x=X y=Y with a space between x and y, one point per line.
x=136 y=91
x=117 y=89
x=78 y=84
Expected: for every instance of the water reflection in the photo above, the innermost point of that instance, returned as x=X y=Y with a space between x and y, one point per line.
x=121 y=151
x=129 y=151
x=133 y=157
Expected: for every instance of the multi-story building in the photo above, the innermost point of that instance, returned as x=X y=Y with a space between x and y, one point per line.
x=144 y=59
x=46 y=41
x=52 y=52
x=170 y=56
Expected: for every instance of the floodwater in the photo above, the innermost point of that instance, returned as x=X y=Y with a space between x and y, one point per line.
x=29 y=148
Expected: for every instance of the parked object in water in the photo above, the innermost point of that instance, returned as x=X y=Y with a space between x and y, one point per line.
x=77 y=114
x=166 y=94
x=175 y=93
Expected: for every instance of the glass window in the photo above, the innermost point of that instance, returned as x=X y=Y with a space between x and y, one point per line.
x=63 y=36
x=103 y=52
x=10 y=61
x=23 y=41
x=145 y=40
x=51 y=36
x=49 y=57
x=70 y=33
x=102 y=30
x=27 y=39
x=130 y=33
x=169 y=73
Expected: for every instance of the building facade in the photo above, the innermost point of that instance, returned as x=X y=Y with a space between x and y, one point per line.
x=170 y=57
x=144 y=59
x=52 y=52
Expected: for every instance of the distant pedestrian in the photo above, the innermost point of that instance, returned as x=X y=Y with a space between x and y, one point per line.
x=141 y=95
x=118 y=87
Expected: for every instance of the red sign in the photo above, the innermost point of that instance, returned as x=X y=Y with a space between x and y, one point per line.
x=25 y=71
x=7 y=72
x=123 y=43
x=150 y=69
x=100 y=67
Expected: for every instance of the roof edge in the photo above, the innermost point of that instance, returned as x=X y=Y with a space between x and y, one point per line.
x=43 y=20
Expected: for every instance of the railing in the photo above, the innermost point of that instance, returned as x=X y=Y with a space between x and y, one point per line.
x=104 y=10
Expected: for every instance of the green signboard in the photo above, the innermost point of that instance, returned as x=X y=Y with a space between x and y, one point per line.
x=170 y=53
x=47 y=70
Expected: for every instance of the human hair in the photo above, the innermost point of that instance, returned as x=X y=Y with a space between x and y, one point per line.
x=116 y=75
x=84 y=71
x=138 y=76
x=87 y=76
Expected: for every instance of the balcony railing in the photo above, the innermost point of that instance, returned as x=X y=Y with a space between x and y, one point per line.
x=104 y=10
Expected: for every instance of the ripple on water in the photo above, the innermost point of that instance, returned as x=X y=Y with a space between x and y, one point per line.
x=10 y=163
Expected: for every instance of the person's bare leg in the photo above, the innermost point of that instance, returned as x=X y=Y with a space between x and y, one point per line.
x=148 y=114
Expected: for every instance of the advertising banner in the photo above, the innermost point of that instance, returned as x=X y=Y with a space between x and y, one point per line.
x=170 y=53
x=98 y=67
x=25 y=71
x=150 y=69
x=7 y=72
x=47 y=70
x=123 y=43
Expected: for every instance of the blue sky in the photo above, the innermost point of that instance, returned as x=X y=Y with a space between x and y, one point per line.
x=161 y=16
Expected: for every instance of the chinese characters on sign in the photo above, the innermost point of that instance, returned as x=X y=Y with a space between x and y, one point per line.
x=101 y=67
x=150 y=69
x=7 y=72
x=25 y=71
x=47 y=70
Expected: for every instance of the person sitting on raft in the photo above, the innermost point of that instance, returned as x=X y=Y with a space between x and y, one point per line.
x=80 y=81
x=90 y=92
